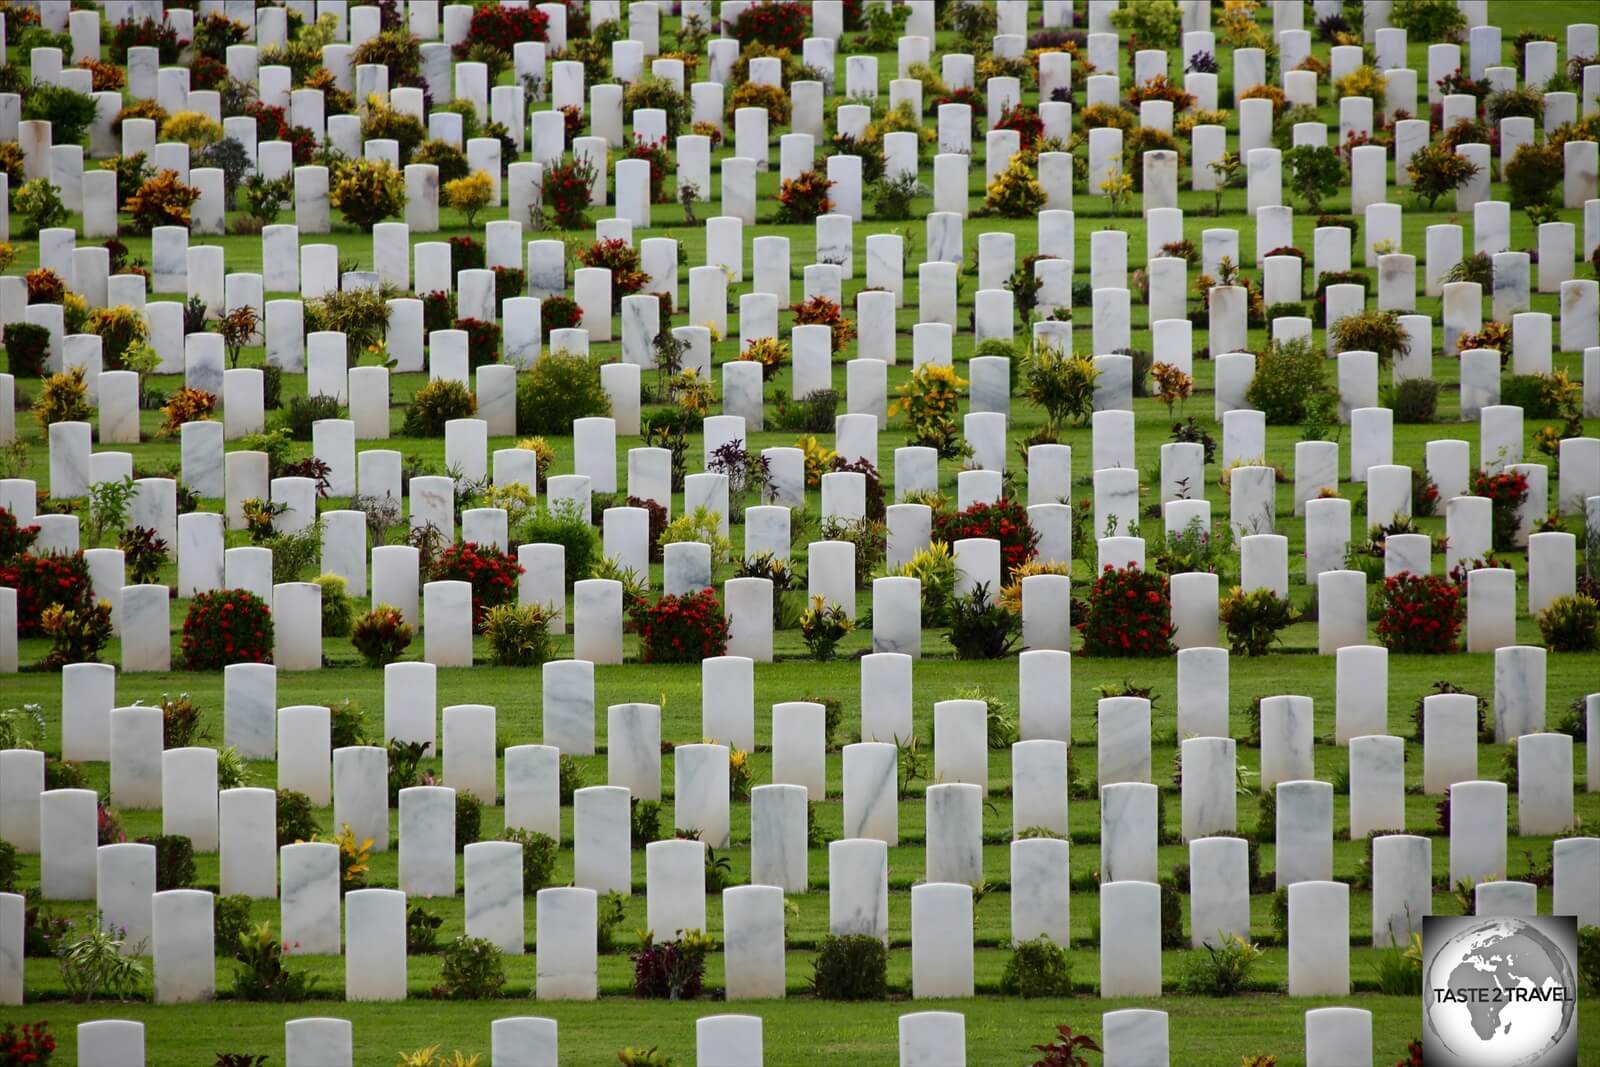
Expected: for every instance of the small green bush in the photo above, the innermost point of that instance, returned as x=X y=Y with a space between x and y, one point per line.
x=1372 y=331
x=1571 y=624
x=297 y=819
x=436 y=404
x=518 y=636
x=559 y=388
x=571 y=778
x=567 y=526
x=174 y=861
x=1287 y=376
x=469 y=818
x=473 y=970
x=303 y=411
x=644 y=821
x=850 y=967
x=338 y=613
x=539 y=853
x=230 y=921
x=1037 y=968
x=1589 y=957
x=1222 y=970
x=422 y=930
x=1416 y=400
x=1254 y=620
x=980 y=627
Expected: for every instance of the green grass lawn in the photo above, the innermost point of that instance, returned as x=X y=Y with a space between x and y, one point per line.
x=1205 y=1031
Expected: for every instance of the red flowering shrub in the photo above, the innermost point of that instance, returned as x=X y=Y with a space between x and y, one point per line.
x=781 y=25
x=682 y=629
x=226 y=626
x=438 y=310
x=483 y=341
x=622 y=259
x=1506 y=491
x=207 y=73
x=564 y=190
x=1005 y=521
x=15 y=538
x=654 y=153
x=1026 y=121
x=491 y=573
x=559 y=313
x=466 y=254
x=509 y=282
x=145 y=33
x=571 y=121
x=1129 y=613
x=804 y=197
x=1420 y=613
x=26 y=1043
x=40 y=581
x=272 y=124
x=502 y=27
x=972 y=98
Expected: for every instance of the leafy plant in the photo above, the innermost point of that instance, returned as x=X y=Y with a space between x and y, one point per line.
x=163 y=200
x=981 y=628
x=470 y=194
x=473 y=970
x=297 y=818
x=1372 y=331
x=1289 y=374
x=824 y=625
x=1061 y=384
x=263 y=975
x=560 y=388
x=93 y=964
x=1435 y=170
x=435 y=404
x=422 y=930
x=1038 y=967
x=1223 y=970
x=77 y=635
x=518 y=635
x=1571 y=624
x=850 y=967
x=469 y=818
x=539 y=853
x=930 y=400
x=1067 y=1050
x=1255 y=620
x=64 y=397
x=670 y=970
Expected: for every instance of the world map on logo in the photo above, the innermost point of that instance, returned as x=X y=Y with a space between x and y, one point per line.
x=1499 y=992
